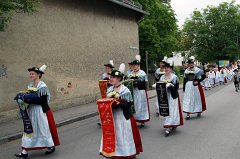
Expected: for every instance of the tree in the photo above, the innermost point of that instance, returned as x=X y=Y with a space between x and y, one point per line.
x=158 y=31
x=211 y=34
x=8 y=7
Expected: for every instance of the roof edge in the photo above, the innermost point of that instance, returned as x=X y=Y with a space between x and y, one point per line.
x=130 y=5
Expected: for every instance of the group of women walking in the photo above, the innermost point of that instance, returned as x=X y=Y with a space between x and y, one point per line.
x=125 y=104
x=126 y=145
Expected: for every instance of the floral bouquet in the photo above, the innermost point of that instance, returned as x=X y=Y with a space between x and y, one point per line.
x=113 y=94
x=30 y=90
x=166 y=81
x=190 y=72
x=30 y=96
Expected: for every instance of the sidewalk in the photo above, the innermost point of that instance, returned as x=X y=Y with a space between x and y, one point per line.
x=13 y=130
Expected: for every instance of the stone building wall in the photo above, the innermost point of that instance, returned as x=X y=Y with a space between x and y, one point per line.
x=74 y=39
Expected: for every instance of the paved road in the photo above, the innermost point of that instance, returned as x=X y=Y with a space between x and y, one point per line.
x=216 y=135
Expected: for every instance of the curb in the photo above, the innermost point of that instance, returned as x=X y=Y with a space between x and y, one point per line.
x=75 y=119
x=9 y=138
x=18 y=135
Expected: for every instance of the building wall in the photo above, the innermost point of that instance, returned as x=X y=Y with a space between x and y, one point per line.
x=74 y=39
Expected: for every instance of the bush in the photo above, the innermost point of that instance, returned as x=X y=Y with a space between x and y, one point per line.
x=179 y=73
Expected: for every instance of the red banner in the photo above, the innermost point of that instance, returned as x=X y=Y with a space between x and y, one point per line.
x=103 y=87
x=108 y=128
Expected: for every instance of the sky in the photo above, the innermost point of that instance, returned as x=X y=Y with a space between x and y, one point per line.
x=184 y=8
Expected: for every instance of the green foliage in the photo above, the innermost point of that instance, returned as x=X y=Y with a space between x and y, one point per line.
x=158 y=31
x=177 y=70
x=7 y=7
x=211 y=34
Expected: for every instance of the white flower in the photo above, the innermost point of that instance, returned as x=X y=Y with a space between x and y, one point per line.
x=117 y=95
x=166 y=81
x=190 y=72
x=110 y=95
x=154 y=85
x=113 y=95
x=32 y=89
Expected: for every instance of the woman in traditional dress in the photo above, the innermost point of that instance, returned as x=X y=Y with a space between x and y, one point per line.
x=217 y=76
x=140 y=93
x=223 y=75
x=158 y=74
x=193 y=99
x=211 y=77
x=230 y=73
x=128 y=74
x=108 y=69
x=105 y=79
x=161 y=70
x=44 y=128
x=175 y=117
x=207 y=82
x=128 y=140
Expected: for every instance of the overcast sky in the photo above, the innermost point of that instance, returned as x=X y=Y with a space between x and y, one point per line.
x=184 y=8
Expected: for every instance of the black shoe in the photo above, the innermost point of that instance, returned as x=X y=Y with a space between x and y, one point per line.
x=167 y=133
x=199 y=115
x=50 y=150
x=99 y=124
x=21 y=155
x=187 y=117
x=142 y=124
